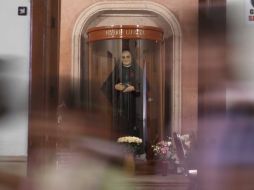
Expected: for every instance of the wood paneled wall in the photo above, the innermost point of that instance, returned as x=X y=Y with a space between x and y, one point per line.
x=212 y=71
x=43 y=81
x=212 y=74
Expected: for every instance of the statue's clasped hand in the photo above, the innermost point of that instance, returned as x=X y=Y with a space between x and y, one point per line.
x=124 y=87
x=129 y=88
x=120 y=86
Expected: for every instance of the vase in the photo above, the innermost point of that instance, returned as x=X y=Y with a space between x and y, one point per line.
x=129 y=163
x=172 y=167
x=164 y=164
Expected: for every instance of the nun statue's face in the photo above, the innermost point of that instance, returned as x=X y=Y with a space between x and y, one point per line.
x=126 y=58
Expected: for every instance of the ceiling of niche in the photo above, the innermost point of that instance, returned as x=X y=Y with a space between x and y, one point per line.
x=127 y=18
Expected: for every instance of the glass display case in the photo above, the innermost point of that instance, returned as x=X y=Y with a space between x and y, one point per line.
x=123 y=81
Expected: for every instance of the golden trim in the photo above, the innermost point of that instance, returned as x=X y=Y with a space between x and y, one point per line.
x=125 y=32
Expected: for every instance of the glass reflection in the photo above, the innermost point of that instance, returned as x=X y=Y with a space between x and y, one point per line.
x=124 y=82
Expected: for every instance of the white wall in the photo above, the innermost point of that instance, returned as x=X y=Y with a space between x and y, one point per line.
x=14 y=77
x=240 y=54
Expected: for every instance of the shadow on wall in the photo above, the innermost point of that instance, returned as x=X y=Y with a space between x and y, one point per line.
x=13 y=84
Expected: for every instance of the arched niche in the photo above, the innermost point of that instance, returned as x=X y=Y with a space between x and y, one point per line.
x=134 y=13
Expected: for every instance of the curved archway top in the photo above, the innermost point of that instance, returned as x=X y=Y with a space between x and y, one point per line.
x=88 y=15
x=148 y=6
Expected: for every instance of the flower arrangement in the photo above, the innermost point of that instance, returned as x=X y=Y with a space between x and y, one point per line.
x=129 y=139
x=176 y=150
x=132 y=143
x=185 y=145
x=164 y=150
x=186 y=142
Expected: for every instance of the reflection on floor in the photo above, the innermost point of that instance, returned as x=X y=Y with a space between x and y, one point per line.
x=12 y=171
x=14 y=165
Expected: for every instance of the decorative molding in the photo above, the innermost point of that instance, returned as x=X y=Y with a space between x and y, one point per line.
x=13 y=158
x=164 y=13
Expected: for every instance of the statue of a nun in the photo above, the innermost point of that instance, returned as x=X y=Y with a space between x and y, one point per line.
x=124 y=89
